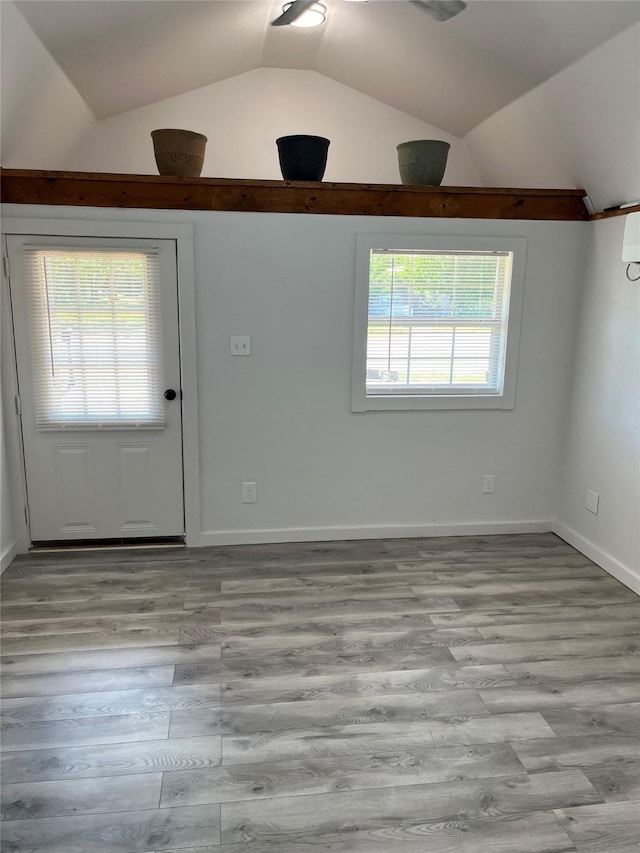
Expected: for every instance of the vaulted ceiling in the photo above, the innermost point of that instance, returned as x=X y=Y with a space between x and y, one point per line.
x=123 y=54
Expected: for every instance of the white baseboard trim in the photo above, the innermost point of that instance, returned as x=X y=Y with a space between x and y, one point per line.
x=619 y=571
x=8 y=554
x=373 y=531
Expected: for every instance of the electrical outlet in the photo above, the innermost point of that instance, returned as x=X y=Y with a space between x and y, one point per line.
x=249 y=493
x=591 y=501
x=240 y=344
x=488 y=484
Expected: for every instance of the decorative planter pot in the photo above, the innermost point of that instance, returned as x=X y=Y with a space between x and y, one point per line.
x=302 y=158
x=423 y=161
x=179 y=152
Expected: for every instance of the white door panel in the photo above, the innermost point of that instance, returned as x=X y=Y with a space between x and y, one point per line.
x=74 y=510
x=98 y=470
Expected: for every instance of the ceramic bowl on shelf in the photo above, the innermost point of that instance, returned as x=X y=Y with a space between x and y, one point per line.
x=179 y=153
x=423 y=161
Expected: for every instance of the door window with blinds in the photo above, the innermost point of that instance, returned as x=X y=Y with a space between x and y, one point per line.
x=95 y=335
x=437 y=322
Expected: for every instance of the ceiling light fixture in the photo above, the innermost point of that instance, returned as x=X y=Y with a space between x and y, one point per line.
x=311 y=17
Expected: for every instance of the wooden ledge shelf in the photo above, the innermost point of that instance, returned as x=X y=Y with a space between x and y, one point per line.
x=153 y=192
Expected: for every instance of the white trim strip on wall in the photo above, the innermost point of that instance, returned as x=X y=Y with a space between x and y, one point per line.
x=373 y=531
x=618 y=570
x=8 y=555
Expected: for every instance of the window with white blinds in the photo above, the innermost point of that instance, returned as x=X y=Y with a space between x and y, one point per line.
x=95 y=337
x=437 y=323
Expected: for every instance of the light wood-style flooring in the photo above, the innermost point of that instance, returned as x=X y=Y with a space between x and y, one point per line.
x=457 y=695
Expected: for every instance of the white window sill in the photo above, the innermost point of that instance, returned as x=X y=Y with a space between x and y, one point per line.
x=412 y=403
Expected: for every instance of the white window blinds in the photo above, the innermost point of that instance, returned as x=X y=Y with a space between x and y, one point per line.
x=95 y=337
x=437 y=322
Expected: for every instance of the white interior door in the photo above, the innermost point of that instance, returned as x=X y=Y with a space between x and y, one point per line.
x=98 y=357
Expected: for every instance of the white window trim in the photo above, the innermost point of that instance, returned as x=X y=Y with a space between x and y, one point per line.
x=183 y=236
x=360 y=401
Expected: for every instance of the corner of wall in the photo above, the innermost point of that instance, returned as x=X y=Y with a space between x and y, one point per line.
x=601 y=443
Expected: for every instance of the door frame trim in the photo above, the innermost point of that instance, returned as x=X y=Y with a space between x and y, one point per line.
x=182 y=234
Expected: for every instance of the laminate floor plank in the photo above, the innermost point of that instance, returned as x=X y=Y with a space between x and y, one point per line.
x=111 y=703
x=357 y=569
x=317 y=714
x=555 y=695
x=114 y=759
x=380 y=737
x=616 y=782
x=102 y=569
x=56 y=684
x=291 y=599
x=311 y=664
x=148 y=621
x=517 y=615
x=349 y=642
x=116 y=832
x=539 y=832
x=322 y=582
x=96 y=579
x=497 y=570
x=33 y=593
x=96 y=606
x=348 y=773
x=546 y=650
x=467 y=694
x=283 y=818
x=297 y=689
x=51 y=643
x=87 y=730
x=204 y=632
x=29 y=800
x=602 y=827
x=581 y=669
x=507 y=586
x=39 y=664
x=621 y=719
x=494 y=560
x=544 y=597
x=557 y=631
x=310 y=608
x=560 y=753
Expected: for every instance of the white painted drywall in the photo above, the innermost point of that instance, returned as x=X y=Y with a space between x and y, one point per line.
x=43 y=116
x=579 y=129
x=282 y=417
x=244 y=115
x=602 y=447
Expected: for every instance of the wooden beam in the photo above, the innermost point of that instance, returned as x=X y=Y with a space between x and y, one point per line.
x=155 y=192
x=618 y=211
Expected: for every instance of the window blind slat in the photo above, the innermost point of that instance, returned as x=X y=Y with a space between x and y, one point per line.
x=95 y=337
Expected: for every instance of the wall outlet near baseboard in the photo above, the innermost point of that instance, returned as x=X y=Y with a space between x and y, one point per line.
x=249 y=495
x=488 y=484
x=591 y=501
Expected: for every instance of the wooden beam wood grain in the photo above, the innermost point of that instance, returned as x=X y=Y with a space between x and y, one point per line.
x=85 y=189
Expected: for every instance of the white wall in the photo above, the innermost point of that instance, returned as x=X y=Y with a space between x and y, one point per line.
x=282 y=417
x=243 y=116
x=43 y=116
x=602 y=449
x=579 y=129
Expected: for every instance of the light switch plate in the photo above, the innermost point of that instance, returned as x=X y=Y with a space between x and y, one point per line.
x=240 y=345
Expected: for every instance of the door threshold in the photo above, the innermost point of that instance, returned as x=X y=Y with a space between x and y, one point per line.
x=107 y=545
